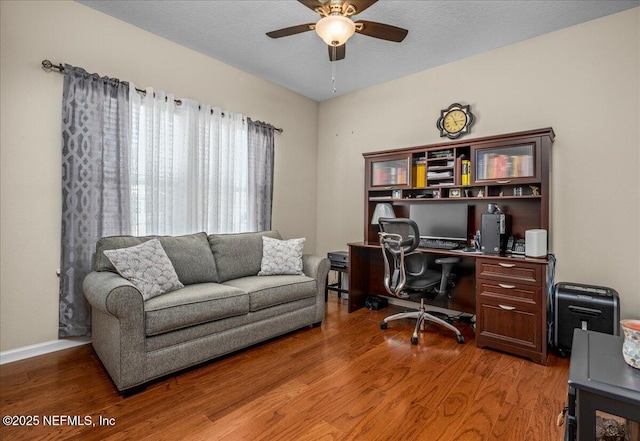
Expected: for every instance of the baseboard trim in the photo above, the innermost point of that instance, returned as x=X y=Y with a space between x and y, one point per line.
x=41 y=349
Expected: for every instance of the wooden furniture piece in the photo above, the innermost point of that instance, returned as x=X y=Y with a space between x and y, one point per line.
x=600 y=380
x=511 y=170
x=506 y=293
x=336 y=287
x=511 y=305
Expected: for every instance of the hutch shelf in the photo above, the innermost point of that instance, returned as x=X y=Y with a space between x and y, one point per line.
x=511 y=170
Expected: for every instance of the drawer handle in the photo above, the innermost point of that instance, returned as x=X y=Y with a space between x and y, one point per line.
x=506 y=181
x=506 y=265
x=502 y=285
x=508 y=308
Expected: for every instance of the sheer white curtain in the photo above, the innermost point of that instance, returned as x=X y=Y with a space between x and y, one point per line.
x=189 y=167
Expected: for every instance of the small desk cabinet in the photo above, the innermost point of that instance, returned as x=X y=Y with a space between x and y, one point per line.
x=511 y=305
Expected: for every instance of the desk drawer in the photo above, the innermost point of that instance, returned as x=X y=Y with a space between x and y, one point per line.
x=509 y=270
x=501 y=291
x=506 y=326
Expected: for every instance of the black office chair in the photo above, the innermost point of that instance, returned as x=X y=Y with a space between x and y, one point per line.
x=406 y=272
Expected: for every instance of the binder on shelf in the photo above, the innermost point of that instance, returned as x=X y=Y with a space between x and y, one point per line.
x=466 y=172
x=420 y=166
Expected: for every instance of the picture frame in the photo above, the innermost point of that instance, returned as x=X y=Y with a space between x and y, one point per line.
x=455 y=193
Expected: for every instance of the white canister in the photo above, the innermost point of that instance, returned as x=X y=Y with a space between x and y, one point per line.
x=535 y=243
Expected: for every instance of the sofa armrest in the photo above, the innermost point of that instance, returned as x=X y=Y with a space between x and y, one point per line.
x=117 y=327
x=317 y=268
x=112 y=294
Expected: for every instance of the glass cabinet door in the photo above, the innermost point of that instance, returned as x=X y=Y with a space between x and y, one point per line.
x=505 y=164
x=390 y=173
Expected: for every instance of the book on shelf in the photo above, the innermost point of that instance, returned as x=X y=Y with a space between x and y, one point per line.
x=466 y=172
x=419 y=166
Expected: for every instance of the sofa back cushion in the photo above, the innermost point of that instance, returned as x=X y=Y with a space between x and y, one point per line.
x=190 y=255
x=238 y=255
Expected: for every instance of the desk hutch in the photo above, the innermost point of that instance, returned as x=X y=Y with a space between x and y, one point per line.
x=506 y=293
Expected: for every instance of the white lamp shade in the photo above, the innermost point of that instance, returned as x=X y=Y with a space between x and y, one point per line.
x=382 y=210
x=335 y=30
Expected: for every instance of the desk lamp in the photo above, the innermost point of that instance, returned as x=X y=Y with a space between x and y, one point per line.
x=382 y=210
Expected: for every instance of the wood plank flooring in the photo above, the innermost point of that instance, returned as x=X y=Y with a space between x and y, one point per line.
x=345 y=380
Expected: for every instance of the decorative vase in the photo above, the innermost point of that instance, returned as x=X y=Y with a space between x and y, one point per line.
x=631 y=345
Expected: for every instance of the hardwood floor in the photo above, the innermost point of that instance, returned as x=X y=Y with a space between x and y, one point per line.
x=345 y=380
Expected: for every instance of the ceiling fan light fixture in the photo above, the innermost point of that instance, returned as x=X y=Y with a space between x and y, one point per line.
x=335 y=30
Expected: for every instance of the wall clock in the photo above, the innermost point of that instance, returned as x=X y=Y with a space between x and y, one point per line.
x=455 y=121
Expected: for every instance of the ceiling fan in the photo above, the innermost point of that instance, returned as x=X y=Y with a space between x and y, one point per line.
x=336 y=26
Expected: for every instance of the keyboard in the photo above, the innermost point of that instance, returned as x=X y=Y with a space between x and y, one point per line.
x=438 y=243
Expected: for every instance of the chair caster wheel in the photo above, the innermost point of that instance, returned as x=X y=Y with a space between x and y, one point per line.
x=383 y=325
x=460 y=339
x=414 y=340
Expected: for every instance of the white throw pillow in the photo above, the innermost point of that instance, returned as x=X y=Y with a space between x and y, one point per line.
x=281 y=256
x=147 y=267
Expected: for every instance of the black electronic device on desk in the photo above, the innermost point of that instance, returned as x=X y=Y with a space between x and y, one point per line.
x=440 y=244
x=495 y=229
x=516 y=246
x=442 y=226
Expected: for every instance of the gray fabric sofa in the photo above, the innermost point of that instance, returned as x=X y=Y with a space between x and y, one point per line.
x=224 y=306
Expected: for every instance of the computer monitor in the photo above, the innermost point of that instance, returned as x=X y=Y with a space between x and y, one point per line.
x=441 y=220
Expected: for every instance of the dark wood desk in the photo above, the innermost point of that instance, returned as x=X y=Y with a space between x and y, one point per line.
x=366 y=275
x=506 y=293
x=599 y=379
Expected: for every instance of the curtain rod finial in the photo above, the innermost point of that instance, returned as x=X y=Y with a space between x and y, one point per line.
x=48 y=65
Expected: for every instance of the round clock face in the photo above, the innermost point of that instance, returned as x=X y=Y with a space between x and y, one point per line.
x=455 y=121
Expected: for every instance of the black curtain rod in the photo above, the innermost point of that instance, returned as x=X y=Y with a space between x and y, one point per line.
x=48 y=66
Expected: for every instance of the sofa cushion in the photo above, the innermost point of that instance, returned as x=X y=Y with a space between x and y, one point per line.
x=192 y=305
x=238 y=255
x=190 y=255
x=102 y=262
x=147 y=267
x=274 y=290
x=281 y=256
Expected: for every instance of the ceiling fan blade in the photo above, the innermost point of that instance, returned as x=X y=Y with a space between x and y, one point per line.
x=291 y=31
x=360 y=5
x=381 y=31
x=340 y=52
x=312 y=4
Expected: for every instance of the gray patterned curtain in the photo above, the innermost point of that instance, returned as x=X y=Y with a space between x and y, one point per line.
x=261 y=151
x=95 y=188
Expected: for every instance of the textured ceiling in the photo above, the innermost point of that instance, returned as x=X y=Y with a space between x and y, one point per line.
x=439 y=32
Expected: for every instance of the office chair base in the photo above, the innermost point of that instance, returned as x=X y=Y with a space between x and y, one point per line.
x=420 y=317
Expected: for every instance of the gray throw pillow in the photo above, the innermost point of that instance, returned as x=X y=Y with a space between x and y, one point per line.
x=147 y=267
x=281 y=256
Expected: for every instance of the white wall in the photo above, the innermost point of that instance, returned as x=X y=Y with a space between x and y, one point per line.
x=583 y=81
x=67 y=32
